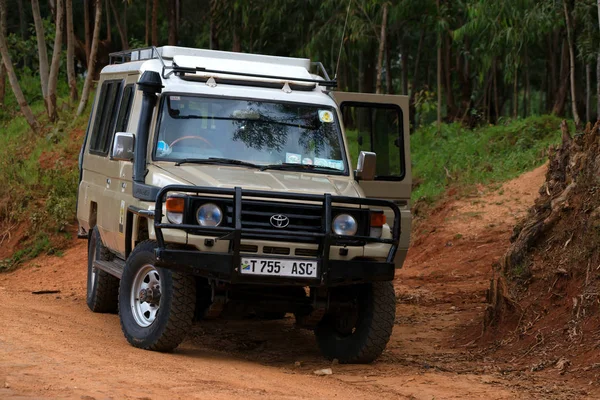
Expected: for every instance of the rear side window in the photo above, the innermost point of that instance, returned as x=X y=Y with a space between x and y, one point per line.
x=106 y=117
x=125 y=109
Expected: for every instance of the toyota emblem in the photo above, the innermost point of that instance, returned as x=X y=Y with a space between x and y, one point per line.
x=280 y=221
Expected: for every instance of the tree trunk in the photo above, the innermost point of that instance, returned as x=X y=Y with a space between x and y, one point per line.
x=42 y=51
x=561 y=95
x=122 y=28
x=22 y=21
x=389 y=88
x=148 y=12
x=571 y=65
x=439 y=77
x=496 y=100
x=155 y=23
x=527 y=97
x=71 y=53
x=381 y=48
x=598 y=74
x=403 y=54
x=2 y=67
x=87 y=86
x=235 y=29
x=108 y=27
x=172 y=10
x=213 y=34
x=12 y=76
x=413 y=86
x=53 y=77
x=88 y=29
x=516 y=92
x=588 y=91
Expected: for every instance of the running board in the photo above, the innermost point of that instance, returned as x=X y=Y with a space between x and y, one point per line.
x=114 y=267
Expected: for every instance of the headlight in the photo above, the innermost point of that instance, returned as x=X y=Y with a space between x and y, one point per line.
x=344 y=224
x=209 y=214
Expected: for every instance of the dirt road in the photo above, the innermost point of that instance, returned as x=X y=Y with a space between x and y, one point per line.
x=52 y=346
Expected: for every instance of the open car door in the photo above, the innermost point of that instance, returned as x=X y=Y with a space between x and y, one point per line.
x=380 y=124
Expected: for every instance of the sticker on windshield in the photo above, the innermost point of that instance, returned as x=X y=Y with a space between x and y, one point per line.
x=175 y=98
x=293 y=158
x=325 y=116
x=307 y=161
x=325 y=162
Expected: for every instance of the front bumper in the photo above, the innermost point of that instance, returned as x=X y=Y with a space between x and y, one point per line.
x=225 y=266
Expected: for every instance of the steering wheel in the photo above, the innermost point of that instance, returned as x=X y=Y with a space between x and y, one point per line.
x=191 y=138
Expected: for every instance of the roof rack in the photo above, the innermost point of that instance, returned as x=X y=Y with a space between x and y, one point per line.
x=151 y=53
x=124 y=56
x=180 y=71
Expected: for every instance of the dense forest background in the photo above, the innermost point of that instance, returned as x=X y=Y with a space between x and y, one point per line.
x=472 y=61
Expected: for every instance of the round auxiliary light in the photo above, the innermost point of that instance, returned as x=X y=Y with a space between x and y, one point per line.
x=344 y=224
x=209 y=214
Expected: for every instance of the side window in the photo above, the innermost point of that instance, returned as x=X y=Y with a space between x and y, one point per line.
x=125 y=109
x=106 y=116
x=376 y=128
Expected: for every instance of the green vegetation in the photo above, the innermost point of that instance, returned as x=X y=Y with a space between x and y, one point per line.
x=461 y=157
x=39 y=174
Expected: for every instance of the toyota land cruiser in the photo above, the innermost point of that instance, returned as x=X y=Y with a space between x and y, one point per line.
x=214 y=181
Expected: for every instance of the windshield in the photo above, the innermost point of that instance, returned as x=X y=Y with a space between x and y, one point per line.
x=254 y=131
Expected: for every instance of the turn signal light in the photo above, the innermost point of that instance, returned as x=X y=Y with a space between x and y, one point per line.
x=175 y=204
x=377 y=219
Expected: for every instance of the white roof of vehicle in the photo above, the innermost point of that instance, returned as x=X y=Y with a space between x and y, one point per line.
x=215 y=60
x=261 y=68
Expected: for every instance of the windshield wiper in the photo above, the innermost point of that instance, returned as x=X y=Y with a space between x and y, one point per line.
x=303 y=167
x=217 y=161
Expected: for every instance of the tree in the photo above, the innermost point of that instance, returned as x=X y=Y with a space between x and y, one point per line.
x=572 y=63
x=121 y=27
x=53 y=77
x=598 y=70
x=42 y=51
x=382 y=46
x=12 y=76
x=87 y=86
x=155 y=23
x=172 y=9
x=2 y=68
x=71 y=53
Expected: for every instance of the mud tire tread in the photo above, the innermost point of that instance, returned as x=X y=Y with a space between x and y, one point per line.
x=368 y=342
x=105 y=296
x=174 y=319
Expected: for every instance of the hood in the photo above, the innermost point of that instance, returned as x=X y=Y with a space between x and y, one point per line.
x=229 y=177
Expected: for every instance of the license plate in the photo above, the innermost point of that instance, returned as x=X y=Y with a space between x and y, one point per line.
x=275 y=267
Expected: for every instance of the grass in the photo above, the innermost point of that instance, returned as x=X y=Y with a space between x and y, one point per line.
x=462 y=157
x=39 y=175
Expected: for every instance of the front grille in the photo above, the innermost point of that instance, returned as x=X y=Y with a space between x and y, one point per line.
x=284 y=251
x=248 y=248
x=307 y=252
x=257 y=214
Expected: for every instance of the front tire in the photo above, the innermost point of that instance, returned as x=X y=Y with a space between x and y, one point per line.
x=359 y=334
x=102 y=287
x=156 y=305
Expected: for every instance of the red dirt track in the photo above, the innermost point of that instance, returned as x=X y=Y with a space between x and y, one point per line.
x=52 y=346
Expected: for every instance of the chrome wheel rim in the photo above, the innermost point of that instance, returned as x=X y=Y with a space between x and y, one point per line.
x=144 y=312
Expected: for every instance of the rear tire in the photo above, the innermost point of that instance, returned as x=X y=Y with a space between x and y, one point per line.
x=102 y=287
x=358 y=335
x=155 y=325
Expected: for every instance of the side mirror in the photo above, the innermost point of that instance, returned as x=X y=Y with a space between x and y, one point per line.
x=123 y=146
x=365 y=168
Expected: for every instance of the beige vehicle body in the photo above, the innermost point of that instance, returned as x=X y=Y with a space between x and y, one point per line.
x=129 y=177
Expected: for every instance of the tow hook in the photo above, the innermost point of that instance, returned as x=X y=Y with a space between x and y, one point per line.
x=150 y=295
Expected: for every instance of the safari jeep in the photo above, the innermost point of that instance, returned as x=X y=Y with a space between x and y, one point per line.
x=216 y=182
